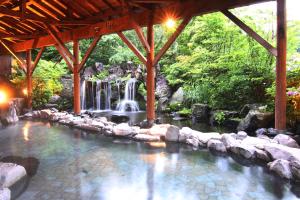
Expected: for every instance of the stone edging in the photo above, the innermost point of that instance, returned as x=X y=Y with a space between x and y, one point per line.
x=281 y=154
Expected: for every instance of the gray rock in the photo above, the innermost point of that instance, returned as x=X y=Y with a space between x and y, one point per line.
x=281 y=167
x=193 y=141
x=9 y=115
x=254 y=120
x=216 y=145
x=261 y=131
x=200 y=112
x=295 y=168
x=146 y=137
x=228 y=140
x=247 y=107
x=172 y=134
x=286 y=140
x=54 y=99
x=162 y=92
x=185 y=133
x=241 y=135
x=124 y=130
x=203 y=138
x=278 y=151
x=246 y=151
x=262 y=155
x=178 y=96
x=45 y=114
x=11 y=173
x=5 y=194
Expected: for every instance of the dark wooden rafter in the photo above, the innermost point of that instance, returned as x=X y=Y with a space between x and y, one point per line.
x=250 y=32
x=59 y=42
x=37 y=59
x=173 y=37
x=132 y=47
x=65 y=57
x=122 y=23
x=89 y=51
x=21 y=63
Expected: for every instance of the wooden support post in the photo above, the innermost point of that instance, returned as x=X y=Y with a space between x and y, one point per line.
x=172 y=39
x=280 y=98
x=150 y=74
x=132 y=47
x=250 y=32
x=76 y=73
x=29 y=79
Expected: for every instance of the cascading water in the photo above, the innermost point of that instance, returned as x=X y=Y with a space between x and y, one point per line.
x=107 y=90
x=118 y=83
x=83 y=95
x=129 y=103
x=98 y=95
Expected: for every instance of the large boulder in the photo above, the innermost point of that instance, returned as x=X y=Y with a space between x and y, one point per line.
x=124 y=130
x=255 y=119
x=247 y=107
x=146 y=138
x=162 y=129
x=178 y=96
x=286 y=140
x=203 y=138
x=5 y=194
x=200 y=112
x=295 y=167
x=11 y=173
x=162 y=92
x=246 y=151
x=278 y=151
x=172 y=134
x=186 y=133
x=45 y=114
x=216 y=145
x=229 y=140
x=9 y=115
x=282 y=168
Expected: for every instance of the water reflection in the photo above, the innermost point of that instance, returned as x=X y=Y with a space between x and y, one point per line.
x=73 y=164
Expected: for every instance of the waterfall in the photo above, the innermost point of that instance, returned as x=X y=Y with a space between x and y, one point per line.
x=129 y=103
x=118 y=82
x=98 y=95
x=107 y=89
x=83 y=97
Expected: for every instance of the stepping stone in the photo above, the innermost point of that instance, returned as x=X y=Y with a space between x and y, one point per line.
x=10 y=173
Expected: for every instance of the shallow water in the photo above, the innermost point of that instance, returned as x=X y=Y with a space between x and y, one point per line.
x=71 y=164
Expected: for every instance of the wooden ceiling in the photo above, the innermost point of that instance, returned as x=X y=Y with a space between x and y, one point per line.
x=25 y=24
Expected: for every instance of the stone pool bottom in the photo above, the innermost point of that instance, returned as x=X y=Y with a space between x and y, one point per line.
x=72 y=164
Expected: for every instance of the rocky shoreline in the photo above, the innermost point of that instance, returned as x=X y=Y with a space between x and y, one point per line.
x=281 y=153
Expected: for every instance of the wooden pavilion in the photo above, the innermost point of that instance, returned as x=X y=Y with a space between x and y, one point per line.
x=36 y=24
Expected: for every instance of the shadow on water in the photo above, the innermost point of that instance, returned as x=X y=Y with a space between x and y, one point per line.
x=31 y=166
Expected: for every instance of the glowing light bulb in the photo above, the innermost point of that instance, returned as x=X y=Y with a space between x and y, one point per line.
x=170 y=23
x=2 y=97
x=25 y=92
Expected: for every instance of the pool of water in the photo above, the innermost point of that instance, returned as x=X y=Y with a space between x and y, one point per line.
x=137 y=117
x=71 y=164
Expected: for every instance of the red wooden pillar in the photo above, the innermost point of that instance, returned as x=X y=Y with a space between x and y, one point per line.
x=280 y=99
x=76 y=73
x=150 y=74
x=29 y=79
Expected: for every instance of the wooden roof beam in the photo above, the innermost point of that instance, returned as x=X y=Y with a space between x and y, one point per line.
x=65 y=57
x=89 y=51
x=132 y=47
x=37 y=59
x=21 y=63
x=59 y=42
x=250 y=32
x=172 y=39
x=191 y=7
